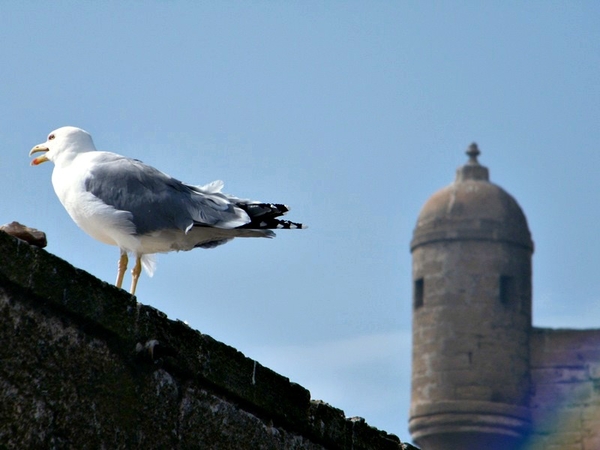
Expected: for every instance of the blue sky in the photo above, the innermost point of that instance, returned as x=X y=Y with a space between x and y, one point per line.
x=353 y=113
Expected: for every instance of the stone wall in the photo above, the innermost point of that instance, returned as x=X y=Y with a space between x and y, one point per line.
x=82 y=365
x=565 y=402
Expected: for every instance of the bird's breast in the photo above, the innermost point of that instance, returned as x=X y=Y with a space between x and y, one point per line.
x=101 y=221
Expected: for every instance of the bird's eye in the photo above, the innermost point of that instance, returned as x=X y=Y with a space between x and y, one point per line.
x=50 y=137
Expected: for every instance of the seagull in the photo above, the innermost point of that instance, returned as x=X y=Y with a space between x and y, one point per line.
x=124 y=202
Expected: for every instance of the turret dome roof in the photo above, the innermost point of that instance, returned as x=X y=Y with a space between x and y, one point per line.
x=472 y=208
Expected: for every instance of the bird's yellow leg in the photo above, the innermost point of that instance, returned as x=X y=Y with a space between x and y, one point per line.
x=121 y=268
x=135 y=273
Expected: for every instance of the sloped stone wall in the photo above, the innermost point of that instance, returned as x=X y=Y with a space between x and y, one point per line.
x=82 y=365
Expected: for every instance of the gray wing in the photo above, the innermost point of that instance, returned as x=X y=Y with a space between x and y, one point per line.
x=158 y=201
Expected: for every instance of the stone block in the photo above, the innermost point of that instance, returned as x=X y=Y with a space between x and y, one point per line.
x=562 y=395
x=481 y=393
x=592 y=441
x=552 y=375
x=594 y=370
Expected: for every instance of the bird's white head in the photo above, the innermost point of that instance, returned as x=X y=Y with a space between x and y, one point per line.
x=65 y=140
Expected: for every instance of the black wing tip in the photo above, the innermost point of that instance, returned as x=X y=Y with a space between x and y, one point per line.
x=289 y=225
x=264 y=209
x=264 y=216
x=274 y=224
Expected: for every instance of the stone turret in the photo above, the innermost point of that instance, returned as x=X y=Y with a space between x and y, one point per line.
x=471 y=253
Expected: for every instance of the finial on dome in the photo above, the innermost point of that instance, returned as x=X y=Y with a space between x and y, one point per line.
x=473 y=152
x=472 y=170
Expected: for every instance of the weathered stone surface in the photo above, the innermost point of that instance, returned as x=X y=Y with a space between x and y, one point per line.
x=27 y=234
x=82 y=365
x=565 y=402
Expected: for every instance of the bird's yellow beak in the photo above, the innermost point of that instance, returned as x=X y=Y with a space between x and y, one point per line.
x=39 y=159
